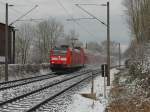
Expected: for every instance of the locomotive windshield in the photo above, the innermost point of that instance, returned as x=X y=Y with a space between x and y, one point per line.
x=59 y=51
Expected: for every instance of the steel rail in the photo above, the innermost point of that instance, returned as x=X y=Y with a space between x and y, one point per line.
x=54 y=96
x=7 y=82
x=38 y=90
x=61 y=92
x=27 y=82
x=33 y=79
x=14 y=81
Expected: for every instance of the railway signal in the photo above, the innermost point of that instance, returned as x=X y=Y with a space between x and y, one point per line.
x=104 y=69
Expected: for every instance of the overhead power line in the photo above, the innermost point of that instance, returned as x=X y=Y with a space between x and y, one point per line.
x=80 y=19
x=24 y=14
x=70 y=16
x=95 y=4
x=63 y=7
x=23 y=5
x=91 y=15
x=34 y=20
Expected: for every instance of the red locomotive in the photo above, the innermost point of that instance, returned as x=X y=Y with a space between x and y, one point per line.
x=65 y=57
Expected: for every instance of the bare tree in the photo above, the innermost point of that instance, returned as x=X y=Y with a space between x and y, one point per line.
x=138 y=13
x=94 y=46
x=71 y=38
x=33 y=43
x=23 y=43
x=48 y=32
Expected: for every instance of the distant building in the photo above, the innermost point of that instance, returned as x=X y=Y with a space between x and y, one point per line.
x=10 y=44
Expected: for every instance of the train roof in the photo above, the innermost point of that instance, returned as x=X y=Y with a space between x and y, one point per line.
x=65 y=47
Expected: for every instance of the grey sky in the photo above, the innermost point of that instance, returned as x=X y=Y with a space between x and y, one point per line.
x=52 y=8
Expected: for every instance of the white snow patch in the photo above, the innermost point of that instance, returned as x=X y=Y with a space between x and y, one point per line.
x=81 y=104
x=112 y=73
x=2 y=59
x=44 y=72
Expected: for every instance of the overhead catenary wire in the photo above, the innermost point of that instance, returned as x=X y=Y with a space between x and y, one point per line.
x=31 y=20
x=91 y=15
x=23 y=5
x=24 y=14
x=95 y=4
x=16 y=5
x=12 y=8
x=70 y=16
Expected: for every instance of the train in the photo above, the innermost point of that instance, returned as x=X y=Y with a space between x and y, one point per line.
x=65 y=58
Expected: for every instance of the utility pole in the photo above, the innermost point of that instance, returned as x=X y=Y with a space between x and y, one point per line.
x=108 y=32
x=6 y=44
x=108 y=43
x=105 y=82
x=119 y=55
x=14 y=50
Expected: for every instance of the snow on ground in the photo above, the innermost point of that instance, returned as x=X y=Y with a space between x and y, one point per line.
x=81 y=104
x=46 y=71
x=2 y=59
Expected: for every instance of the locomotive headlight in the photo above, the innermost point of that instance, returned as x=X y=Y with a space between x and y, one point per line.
x=63 y=59
x=54 y=58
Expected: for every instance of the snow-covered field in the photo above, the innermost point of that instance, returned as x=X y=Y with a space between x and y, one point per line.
x=81 y=104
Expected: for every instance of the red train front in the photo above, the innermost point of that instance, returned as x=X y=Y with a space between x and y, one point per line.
x=64 y=57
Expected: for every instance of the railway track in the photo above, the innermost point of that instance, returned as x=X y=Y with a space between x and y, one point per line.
x=9 y=93
x=32 y=100
x=15 y=83
x=20 y=82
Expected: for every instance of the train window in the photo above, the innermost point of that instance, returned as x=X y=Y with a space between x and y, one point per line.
x=60 y=51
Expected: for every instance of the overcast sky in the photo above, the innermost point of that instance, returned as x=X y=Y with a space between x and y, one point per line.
x=89 y=30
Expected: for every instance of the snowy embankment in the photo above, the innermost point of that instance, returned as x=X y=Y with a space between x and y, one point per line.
x=128 y=94
x=81 y=104
x=17 y=71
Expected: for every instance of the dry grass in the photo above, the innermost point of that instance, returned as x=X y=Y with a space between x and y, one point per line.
x=126 y=104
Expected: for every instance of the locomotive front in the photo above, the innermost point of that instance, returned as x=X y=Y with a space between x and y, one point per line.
x=59 y=58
